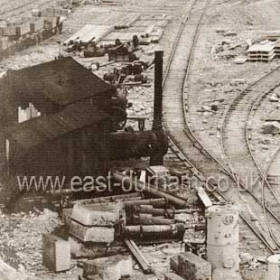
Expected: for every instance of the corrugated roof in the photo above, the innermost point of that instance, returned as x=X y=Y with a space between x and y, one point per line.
x=63 y=81
x=34 y=132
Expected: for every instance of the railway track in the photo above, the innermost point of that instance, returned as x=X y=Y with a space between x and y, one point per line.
x=241 y=161
x=272 y=172
x=235 y=126
x=268 y=170
x=208 y=170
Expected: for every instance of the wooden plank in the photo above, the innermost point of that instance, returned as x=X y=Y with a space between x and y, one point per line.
x=134 y=250
x=204 y=197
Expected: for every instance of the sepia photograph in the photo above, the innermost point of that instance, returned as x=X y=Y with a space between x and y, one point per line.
x=140 y=140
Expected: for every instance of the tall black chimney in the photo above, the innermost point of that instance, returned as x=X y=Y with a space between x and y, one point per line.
x=160 y=146
x=157 y=123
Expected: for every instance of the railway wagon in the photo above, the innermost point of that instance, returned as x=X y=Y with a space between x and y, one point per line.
x=4 y=47
x=50 y=26
x=19 y=34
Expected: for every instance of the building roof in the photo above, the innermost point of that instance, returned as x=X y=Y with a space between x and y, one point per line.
x=34 y=132
x=60 y=82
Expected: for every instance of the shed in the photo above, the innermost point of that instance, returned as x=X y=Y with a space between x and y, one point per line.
x=49 y=88
x=74 y=141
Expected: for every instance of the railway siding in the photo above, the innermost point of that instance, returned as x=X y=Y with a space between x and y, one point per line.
x=176 y=124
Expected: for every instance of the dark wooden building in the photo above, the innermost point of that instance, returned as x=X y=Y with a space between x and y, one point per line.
x=47 y=88
x=67 y=122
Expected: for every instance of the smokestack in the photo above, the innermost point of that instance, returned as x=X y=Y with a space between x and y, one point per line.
x=160 y=149
x=157 y=123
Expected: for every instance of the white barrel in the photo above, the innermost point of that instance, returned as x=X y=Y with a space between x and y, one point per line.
x=223 y=237
x=273 y=267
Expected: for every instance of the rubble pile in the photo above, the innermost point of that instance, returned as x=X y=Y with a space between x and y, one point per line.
x=103 y=234
x=21 y=237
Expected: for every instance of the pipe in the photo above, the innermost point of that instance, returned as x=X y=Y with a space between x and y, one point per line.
x=160 y=202
x=157 y=123
x=128 y=182
x=121 y=197
x=149 y=209
x=154 y=231
x=157 y=156
x=148 y=219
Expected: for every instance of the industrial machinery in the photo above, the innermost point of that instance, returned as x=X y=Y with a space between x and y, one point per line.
x=152 y=143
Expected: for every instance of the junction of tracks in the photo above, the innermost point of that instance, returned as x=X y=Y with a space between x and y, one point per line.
x=214 y=109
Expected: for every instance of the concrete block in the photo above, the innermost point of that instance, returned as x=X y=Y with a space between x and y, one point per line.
x=56 y=253
x=192 y=267
x=109 y=268
x=101 y=214
x=93 y=234
x=174 y=263
x=172 y=276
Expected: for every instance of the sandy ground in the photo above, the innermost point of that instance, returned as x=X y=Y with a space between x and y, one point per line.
x=213 y=78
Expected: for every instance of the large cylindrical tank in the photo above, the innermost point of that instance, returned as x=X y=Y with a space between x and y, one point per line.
x=136 y=144
x=223 y=237
x=273 y=267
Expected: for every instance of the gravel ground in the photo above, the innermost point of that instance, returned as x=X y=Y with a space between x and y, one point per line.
x=214 y=79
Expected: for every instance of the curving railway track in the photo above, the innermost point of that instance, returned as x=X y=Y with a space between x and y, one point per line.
x=235 y=127
x=205 y=167
x=272 y=173
x=238 y=152
x=269 y=170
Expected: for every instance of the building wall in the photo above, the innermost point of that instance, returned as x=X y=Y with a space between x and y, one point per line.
x=83 y=152
x=9 y=115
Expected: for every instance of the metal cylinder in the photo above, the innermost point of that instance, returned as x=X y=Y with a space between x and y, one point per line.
x=159 y=202
x=223 y=237
x=149 y=219
x=158 y=152
x=136 y=144
x=149 y=209
x=157 y=123
x=136 y=184
x=153 y=231
x=273 y=267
